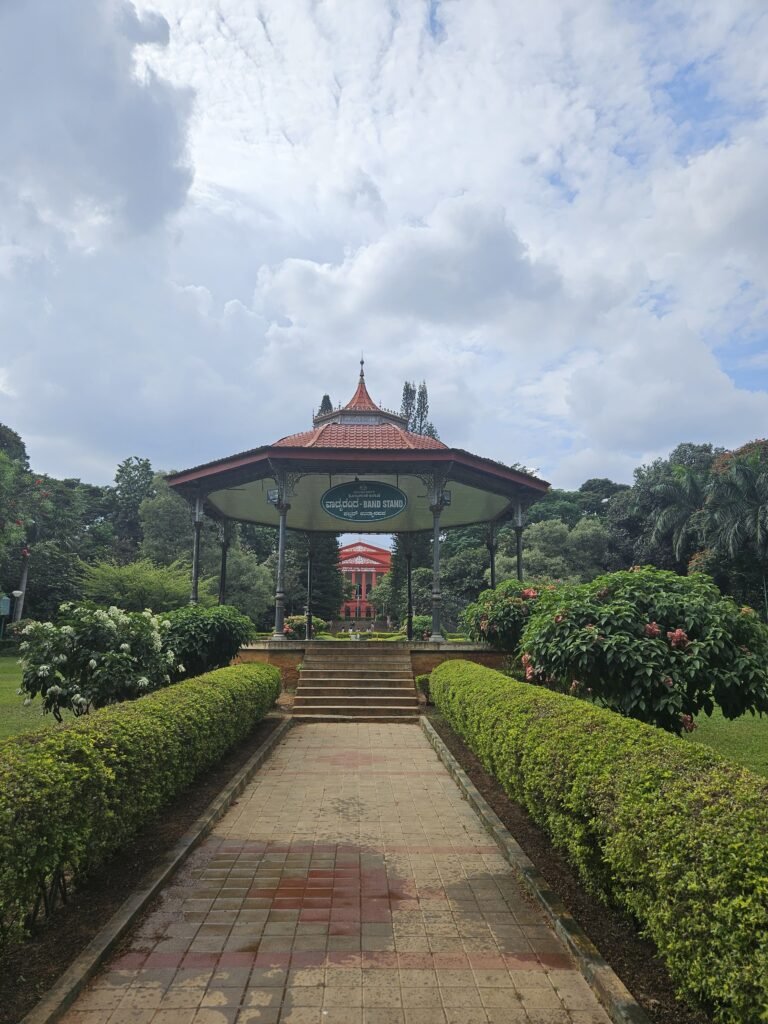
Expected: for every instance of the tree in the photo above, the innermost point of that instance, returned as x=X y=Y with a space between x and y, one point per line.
x=565 y=506
x=141 y=584
x=408 y=403
x=12 y=445
x=545 y=547
x=414 y=408
x=679 y=519
x=134 y=482
x=594 y=495
x=737 y=517
x=54 y=577
x=165 y=525
x=383 y=598
x=327 y=580
x=325 y=406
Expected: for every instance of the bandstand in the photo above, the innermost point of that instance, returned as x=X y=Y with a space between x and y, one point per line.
x=358 y=470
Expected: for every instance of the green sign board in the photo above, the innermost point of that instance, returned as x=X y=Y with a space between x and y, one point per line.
x=360 y=502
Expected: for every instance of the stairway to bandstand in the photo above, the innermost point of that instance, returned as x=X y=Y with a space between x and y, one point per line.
x=355 y=680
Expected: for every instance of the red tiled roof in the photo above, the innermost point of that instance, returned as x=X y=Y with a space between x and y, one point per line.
x=361 y=400
x=378 y=436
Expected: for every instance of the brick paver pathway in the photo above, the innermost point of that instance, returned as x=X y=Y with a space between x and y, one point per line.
x=350 y=884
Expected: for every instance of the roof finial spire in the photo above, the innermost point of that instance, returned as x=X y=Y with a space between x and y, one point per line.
x=362 y=366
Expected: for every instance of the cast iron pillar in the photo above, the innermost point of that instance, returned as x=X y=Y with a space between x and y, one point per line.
x=197 y=519
x=409 y=613
x=310 y=554
x=225 y=537
x=519 y=540
x=491 y=545
x=436 y=508
x=279 y=633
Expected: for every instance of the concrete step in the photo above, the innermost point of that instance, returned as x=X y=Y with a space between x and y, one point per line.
x=365 y=692
x=369 y=664
x=354 y=700
x=349 y=675
x=355 y=679
x=355 y=711
x=322 y=717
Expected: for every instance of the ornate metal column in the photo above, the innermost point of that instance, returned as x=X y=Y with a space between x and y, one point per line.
x=279 y=498
x=310 y=559
x=409 y=578
x=519 y=539
x=197 y=520
x=225 y=538
x=438 y=499
x=491 y=545
x=279 y=633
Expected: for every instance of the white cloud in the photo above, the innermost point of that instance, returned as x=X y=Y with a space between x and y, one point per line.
x=553 y=214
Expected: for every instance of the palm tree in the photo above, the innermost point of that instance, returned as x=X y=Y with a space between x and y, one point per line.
x=737 y=515
x=679 y=519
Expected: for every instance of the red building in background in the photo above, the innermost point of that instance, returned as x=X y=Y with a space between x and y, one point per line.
x=363 y=565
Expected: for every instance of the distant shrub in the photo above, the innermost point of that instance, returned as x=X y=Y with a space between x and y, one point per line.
x=207 y=638
x=499 y=616
x=298 y=626
x=422 y=685
x=137 y=585
x=651 y=645
x=422 y=627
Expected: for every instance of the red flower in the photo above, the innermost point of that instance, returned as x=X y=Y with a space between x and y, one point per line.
x=559 y=618
x=529 y=592
x=678 y=638
x=652 y=629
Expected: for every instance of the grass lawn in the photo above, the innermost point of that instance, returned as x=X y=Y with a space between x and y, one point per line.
x=744 y=740
x=14 y=717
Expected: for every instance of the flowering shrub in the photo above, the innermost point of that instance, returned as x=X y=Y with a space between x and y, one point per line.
x=499 y=616
x=95 y=657
x=298 y=625
x=651 y=645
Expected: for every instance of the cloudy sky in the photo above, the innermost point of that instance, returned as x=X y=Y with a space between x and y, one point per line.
x=554 y=213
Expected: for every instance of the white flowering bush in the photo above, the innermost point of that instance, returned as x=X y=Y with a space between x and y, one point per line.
x=95 y=657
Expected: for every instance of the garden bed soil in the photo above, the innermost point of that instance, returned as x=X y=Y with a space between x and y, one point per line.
x=633 y=958
x=28 y=971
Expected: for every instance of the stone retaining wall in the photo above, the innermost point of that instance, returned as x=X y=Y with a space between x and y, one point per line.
x=287 y=655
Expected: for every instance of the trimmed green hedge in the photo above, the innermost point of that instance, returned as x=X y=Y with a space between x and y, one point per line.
x=70 y=798
x=672 y=833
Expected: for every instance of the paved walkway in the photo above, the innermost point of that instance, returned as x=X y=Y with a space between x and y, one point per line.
x=350 y=884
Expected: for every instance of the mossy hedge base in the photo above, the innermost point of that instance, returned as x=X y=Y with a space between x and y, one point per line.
x=672 y=833
x=70 y=798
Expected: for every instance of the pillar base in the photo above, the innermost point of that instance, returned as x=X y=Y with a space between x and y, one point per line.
x=436 y=638
x=278 y=636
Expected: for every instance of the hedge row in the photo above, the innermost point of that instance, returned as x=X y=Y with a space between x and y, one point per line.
x=669 y=831
x=69 y=798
